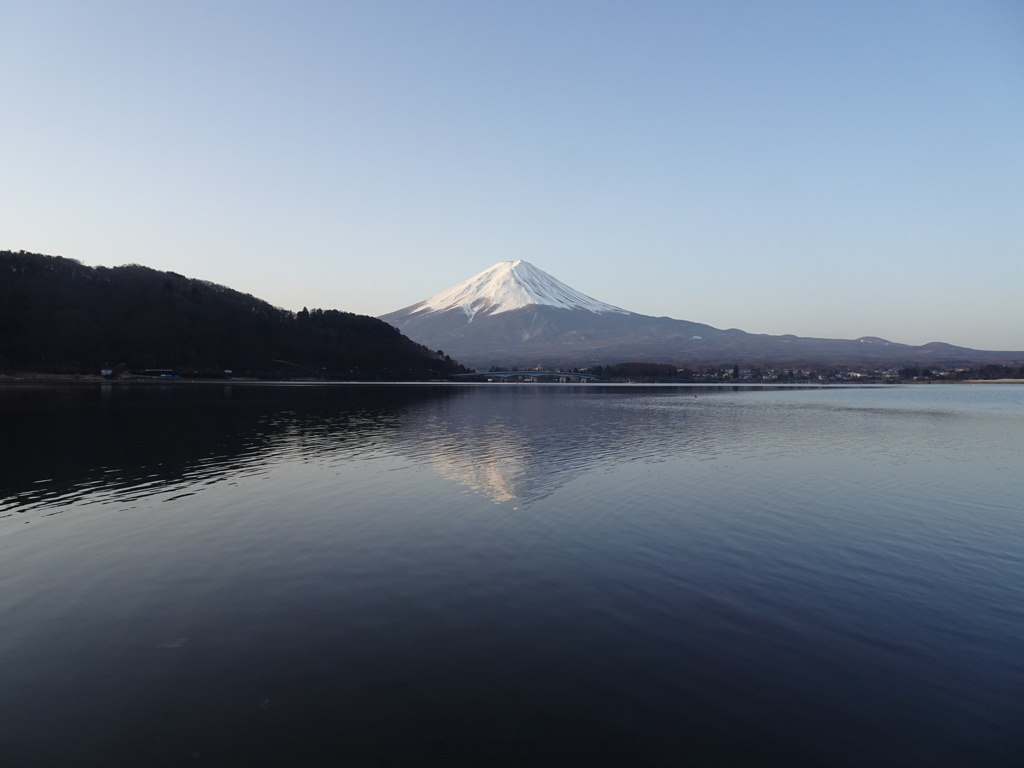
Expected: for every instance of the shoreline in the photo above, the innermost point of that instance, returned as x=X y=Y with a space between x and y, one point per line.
x=72 y=379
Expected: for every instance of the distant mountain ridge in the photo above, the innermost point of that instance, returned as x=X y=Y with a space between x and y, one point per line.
x=516 y=314
x=60 y=316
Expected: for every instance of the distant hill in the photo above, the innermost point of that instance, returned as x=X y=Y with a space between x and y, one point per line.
x=59 y=316
x=515 y=314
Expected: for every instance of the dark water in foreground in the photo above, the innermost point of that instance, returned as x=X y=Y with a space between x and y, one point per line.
x=511 y=576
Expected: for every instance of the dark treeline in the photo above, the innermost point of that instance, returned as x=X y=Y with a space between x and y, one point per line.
x=668 y=373
x=637 y=371
x=981 y=372
x=59 y=316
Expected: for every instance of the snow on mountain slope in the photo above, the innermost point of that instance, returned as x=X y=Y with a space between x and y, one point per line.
x=507 y=286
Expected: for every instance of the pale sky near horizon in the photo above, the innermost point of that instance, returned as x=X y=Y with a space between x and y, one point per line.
x=817 y=168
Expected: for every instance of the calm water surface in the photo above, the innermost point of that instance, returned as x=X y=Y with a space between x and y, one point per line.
x=511 y=575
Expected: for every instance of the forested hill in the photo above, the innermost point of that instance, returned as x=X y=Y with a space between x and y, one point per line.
x=59 y=316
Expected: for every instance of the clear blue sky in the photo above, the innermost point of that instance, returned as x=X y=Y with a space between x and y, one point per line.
x=819 y=168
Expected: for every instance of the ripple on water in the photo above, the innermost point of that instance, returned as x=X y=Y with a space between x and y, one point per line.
x=800 y=577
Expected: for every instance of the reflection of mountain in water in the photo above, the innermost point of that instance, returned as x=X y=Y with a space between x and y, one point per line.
x=492 y=461
x=511 y=442
x=114 y=443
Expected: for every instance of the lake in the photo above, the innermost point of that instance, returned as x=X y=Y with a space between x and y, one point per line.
x=511 y=575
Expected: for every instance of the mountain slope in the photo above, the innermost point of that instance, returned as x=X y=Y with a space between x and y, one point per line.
x=516 y=314
x=59 y=316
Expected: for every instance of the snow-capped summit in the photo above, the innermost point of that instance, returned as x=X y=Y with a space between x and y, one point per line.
x=507 y=286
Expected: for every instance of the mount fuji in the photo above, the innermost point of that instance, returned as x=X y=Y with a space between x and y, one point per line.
x=515 y=314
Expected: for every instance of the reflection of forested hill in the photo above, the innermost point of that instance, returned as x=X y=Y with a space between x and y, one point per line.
x=105 y=442
x=57 y=315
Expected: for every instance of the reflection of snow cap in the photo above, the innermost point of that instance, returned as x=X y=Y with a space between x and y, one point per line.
x=510 y=285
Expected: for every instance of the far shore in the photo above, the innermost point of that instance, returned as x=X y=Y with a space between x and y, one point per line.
x=56 y=378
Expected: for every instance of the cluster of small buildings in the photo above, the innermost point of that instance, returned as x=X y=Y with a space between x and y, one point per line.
x=813 y=375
